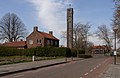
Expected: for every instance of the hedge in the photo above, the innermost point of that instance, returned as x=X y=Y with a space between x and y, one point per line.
x=8 y=51
x=75 y=52
x=52 y=51
x=41 y=51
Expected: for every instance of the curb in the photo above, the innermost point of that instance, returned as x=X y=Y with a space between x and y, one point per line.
x=34 y=68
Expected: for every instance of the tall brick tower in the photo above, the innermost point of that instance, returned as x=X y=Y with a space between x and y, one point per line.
x=70 y=27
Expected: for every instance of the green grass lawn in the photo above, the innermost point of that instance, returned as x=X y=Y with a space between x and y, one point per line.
x=20 y=59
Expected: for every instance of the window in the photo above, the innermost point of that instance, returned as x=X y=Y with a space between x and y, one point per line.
x=48 y=42
x=56 y=43
x=38 y=41
x=51 y=42
x=30 y=41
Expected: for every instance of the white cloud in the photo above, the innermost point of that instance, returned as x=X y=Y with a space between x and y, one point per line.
x=94 y=39
x=52 y=14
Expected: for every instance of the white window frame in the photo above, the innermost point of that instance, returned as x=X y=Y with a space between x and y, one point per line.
x=30 y=41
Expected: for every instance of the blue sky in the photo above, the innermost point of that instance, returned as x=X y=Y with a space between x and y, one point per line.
x=51 y=14
x=96 y=12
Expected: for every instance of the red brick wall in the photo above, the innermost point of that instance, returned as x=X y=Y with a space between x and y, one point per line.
x=36 y=38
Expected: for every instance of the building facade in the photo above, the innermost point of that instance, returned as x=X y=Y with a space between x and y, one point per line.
x=37 y=38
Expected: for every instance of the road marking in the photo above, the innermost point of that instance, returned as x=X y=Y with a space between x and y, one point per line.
x=105 y=60
x=91 y=70
x=86 y=74
x=97 y=66
x=94 y=68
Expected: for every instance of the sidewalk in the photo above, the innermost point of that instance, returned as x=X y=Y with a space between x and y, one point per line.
x=113 y=71
x=20 y=67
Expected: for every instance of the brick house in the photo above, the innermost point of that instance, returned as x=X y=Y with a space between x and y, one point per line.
x=37 y=38
x=16 y=44
x=98 y=49
x=101 y=49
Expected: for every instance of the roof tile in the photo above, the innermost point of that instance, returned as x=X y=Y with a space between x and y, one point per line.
x=46 y=35
x=15 y=44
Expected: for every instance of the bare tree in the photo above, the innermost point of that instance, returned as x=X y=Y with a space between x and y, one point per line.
x=80 y=33
x=11 y=28
x=116 y=18
x=116 y=2
x=63 y=36
x=104 y=33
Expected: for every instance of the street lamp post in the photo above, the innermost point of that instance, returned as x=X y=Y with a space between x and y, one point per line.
x=115 y=51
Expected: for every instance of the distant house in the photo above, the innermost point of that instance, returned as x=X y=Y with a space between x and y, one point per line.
x=98 y=49
x=16 y=44
x=37 y=38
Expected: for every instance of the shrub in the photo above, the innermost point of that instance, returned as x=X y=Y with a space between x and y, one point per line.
x=75 y=52
x=38 y=51
x=29 y=52
x=52 y=51
x=41 y=52
x=8 y=51
x=81 y=51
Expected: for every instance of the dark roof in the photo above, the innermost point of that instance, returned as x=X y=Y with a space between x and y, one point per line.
x=49 y=36
x=15 y=44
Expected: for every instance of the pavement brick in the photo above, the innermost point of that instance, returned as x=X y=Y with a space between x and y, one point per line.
x=113 y=71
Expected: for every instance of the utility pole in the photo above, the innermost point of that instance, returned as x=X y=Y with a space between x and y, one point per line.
x=115 y=29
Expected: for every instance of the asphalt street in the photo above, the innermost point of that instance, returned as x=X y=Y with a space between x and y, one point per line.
x=88 y=68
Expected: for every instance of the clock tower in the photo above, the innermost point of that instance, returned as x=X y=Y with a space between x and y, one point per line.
x=70 y=27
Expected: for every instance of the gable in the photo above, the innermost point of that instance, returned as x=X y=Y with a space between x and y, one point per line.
x=35 y=35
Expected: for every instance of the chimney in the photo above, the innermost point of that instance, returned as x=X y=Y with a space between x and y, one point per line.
x=35 y=28
x=21 y=39
x=51 y=32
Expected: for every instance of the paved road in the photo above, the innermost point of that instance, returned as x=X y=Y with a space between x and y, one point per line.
x=89 y=68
